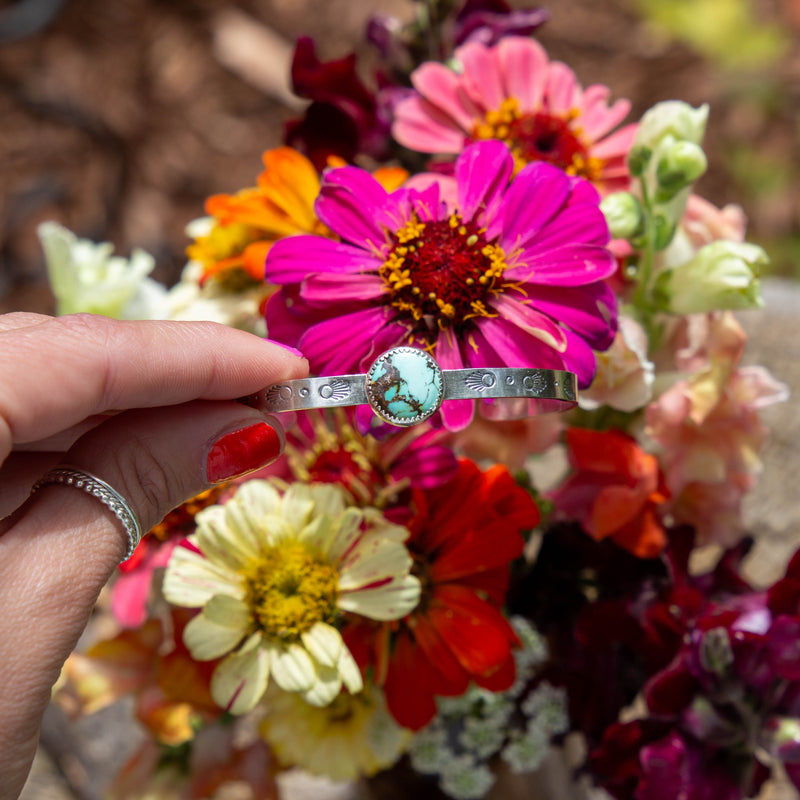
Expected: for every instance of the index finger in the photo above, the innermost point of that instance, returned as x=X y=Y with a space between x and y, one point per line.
x=57 y=371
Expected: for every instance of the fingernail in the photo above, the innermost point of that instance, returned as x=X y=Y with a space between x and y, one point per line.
x=242 y=451
x=293 y=350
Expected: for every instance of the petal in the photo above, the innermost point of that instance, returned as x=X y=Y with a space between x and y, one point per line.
x=477 y=633
x=580 y=359
x=483 y=171
x=291 y=182
x=562 y=90
x=319 y=290
x=597 y=118
x=222 y=544
x=253 y=518
x=455 y=678
x=191 y=580
x=481 y=75
x=371 y=562
x=570 y=265
x=299 y=503
x=580 y=223
x=524 y=315
x=456 y=414
x=478 y=551
x=501 y=679
x=324 y=643
x=349 y=671
x=411 y=702
x=354 y=205
x=293 y=259
x=221 y=626
x=340 y=345
x=392 y=601
x=440 y=85
x=536 y=195
x=240 y=680
x=590 y=311
x=345 y=533
x=292 y=667
x=617 y=144
x=524 y=66
x=512 y=347
x=420 y=125
x=327 y=684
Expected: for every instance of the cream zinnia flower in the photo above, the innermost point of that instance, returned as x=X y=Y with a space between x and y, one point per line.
x=352 y=737
x=272 y=574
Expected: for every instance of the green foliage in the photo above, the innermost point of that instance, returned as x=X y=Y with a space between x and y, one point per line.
x=727 y=32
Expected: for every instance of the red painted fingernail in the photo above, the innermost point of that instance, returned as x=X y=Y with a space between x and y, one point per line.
x=242 y=451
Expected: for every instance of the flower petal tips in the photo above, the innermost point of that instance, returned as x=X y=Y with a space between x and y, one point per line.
x=272 y=574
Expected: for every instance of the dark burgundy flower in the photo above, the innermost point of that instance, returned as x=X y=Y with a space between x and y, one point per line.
x=488 y=21
x=646 y=760
x=343 y=119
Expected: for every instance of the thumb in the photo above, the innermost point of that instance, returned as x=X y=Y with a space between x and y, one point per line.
x=63 y=544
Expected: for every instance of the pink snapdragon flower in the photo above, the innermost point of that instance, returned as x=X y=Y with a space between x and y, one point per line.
x=512 y=274
x=710 y=452
x=513 y=92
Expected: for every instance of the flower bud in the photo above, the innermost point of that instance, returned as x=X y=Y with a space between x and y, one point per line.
x=722 y=275
x=680 y=165
x=638 y=159
x=716 y=653
x=624 y=215
x=674 y=119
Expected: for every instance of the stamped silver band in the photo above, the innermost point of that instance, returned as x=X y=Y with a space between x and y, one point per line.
x=405 y=385
x=72 y=476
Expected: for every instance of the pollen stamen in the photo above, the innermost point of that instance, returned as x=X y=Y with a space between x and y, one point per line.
x=447 y=281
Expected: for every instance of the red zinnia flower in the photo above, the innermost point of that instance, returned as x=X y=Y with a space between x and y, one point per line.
x=464 y=536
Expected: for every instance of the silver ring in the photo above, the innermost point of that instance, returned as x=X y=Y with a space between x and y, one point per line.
x=72 y=476
x=405 y=386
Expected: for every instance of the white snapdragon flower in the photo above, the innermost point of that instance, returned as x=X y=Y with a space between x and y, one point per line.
x=86 y=277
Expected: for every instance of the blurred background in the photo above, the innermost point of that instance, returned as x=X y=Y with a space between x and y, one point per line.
x=119 y=118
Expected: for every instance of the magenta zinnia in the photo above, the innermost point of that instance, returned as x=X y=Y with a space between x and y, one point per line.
x=507 y=273
x=513 y=92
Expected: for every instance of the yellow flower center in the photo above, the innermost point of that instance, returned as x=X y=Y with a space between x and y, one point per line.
x=220 y=252
x=540 y=136
x=442 y=272
x=289 y=590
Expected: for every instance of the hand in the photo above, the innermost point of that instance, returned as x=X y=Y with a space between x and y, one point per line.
x=147 y=407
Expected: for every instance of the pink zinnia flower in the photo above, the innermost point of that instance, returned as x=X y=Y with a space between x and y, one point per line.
x=508 y=275
x=514 y=93
x=375 y=467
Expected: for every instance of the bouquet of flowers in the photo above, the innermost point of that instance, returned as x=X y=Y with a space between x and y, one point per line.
x=455 y=599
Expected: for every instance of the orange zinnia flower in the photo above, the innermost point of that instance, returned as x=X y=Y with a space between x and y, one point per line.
x=246 y=224
x=614 y=491
x=464 y=536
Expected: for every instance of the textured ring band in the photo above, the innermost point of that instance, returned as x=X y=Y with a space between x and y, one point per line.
x=80 y=479
x=405 y=386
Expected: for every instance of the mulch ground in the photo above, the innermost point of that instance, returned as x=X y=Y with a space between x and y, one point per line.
x=119 y=119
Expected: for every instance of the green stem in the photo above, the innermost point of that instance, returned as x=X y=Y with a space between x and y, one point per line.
x=642 y=295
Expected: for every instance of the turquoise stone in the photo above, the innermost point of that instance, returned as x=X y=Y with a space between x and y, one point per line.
x=404 y=386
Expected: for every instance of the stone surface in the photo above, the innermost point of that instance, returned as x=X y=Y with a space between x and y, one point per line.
x=404 y=386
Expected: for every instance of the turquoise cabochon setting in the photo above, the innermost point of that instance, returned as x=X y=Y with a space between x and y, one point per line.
x=405 y=386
